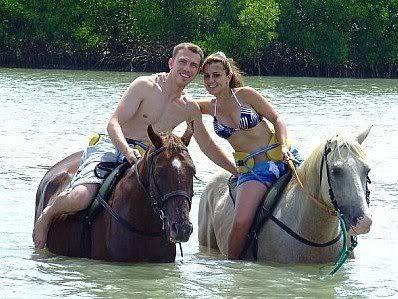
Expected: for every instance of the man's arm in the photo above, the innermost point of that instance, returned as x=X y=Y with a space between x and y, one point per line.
x=125 y=111
x=206 y=143
x=205 y=107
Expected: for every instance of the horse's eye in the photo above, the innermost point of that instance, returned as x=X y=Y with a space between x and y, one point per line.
x=336 y=170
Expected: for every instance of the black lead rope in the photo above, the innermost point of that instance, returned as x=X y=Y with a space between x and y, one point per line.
x=253 y=234
x=303 y=240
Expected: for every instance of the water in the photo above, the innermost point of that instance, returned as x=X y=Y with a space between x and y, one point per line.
x=46 y=115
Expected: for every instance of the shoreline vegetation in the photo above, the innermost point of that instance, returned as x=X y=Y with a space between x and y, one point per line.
x=319 y=38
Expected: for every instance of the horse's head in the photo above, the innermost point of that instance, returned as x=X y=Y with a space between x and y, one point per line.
x=170 y=182
x=337 y=172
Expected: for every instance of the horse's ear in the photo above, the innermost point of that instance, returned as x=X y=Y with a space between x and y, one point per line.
x=362 y=136
x=157 y=141
x=188 y=133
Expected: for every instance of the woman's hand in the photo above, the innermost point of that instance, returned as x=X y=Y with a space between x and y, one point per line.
x=161 y=77
x=285 y=153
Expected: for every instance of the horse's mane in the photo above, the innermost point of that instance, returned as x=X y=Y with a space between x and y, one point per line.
x=309 y=171
x=171 y=143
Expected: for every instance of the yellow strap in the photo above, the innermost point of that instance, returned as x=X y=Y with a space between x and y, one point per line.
x=276 y=153
x=94 y=139
x=239 y=161
x=140 y=149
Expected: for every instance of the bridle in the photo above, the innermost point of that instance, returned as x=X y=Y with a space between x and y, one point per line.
x=335 y=212
x=324 y=160
x=153 y=192
x=253 y=234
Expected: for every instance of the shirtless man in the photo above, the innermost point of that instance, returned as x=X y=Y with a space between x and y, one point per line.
x=146 y=101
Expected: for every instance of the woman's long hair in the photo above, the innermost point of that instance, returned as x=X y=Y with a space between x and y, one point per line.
x=229 y=65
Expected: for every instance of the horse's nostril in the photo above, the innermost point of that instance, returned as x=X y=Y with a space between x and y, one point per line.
x=356 y=220
x=188 y=228
x=182 y=232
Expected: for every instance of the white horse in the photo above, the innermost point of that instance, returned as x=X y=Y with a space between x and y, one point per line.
x=307 y=211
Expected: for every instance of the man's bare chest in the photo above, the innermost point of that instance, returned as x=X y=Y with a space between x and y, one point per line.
x=164 y=116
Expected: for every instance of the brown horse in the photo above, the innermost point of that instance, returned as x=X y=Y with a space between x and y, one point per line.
x=148 y=210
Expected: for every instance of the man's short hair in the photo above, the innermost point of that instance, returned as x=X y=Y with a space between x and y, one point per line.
x=191 y=47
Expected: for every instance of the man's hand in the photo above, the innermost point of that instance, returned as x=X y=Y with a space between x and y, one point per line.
x=133 y=156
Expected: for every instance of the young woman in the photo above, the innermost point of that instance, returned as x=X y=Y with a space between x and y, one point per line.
x=239 y=117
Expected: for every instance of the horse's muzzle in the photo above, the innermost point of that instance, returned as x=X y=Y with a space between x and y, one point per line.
x=180 y=232
x=361 y=225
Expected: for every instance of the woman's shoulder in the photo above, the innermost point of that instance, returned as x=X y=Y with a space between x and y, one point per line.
x=246 y=94
x=245 y=90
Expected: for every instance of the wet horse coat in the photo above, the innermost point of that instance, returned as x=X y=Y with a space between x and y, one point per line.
x=345 y=173
x=153 y=200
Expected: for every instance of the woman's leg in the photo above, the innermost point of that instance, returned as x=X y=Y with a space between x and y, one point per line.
x=248 y=198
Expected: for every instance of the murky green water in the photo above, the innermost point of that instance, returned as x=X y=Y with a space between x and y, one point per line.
x=46 y=115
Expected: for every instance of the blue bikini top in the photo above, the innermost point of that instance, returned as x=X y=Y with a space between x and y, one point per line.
x=248 y=119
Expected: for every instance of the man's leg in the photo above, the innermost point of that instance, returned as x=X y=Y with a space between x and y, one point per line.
x=75 y=200
x=248 y=198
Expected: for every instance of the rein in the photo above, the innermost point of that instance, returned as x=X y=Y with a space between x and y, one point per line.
x=158 y=201
x=124 y=222
x=151 y=195
x=345 y=251
x=336 y=212
x=318 y=202
x=315 y=200
x=333 y=212
x=253 y=234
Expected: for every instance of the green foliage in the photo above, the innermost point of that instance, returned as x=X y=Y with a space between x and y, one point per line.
x=375 y=33
x=339 y=32
x=14 y=25
x=239 y=28
x=331 y=33
x=258 y=20
x=147 y=16
x=319 y=26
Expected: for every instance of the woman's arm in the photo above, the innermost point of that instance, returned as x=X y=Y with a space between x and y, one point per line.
x=263 y=107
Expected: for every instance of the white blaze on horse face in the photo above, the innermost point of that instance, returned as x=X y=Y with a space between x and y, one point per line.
x=176 y=164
